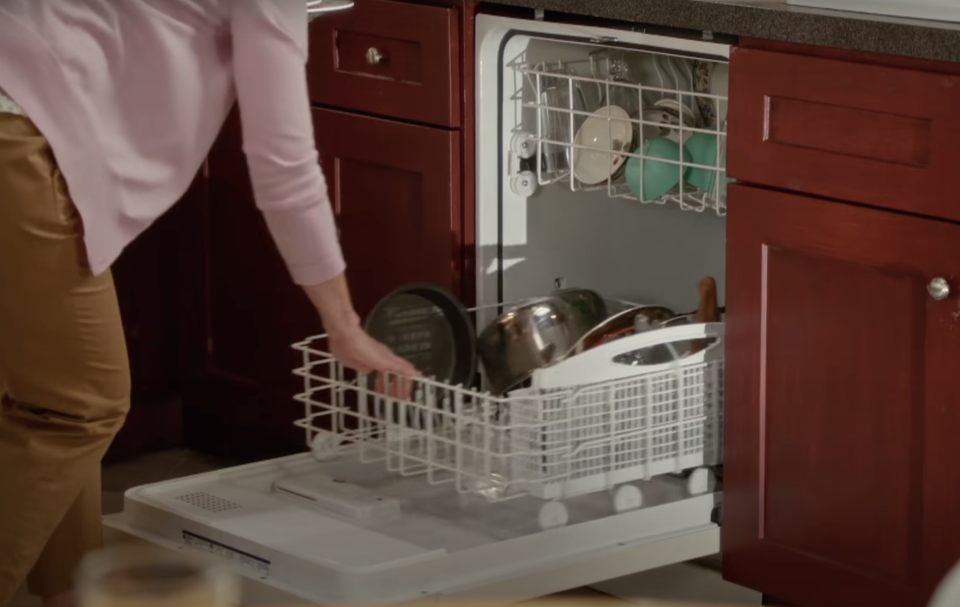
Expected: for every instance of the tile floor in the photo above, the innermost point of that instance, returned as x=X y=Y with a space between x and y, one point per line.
x=699 y=581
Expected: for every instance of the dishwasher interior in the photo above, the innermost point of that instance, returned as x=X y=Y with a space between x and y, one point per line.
x=452 y=489
x=594 y=141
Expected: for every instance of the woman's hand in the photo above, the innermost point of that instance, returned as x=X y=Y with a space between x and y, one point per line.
x=349 y=343
x=360 y=352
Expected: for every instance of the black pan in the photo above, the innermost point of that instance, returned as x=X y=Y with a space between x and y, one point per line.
x=428 y=326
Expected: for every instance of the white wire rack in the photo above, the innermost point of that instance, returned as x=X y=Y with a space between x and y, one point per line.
x=560 y=96
x=553 y=440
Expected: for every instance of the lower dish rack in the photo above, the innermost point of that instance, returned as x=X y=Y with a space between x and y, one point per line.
x=587 y=424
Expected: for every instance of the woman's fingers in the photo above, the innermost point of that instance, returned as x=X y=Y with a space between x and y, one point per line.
x=362 y=353
x=392 y=362
x=397 y=387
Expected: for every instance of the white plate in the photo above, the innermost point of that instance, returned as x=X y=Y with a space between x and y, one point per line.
x=609 y=128
x=689 y=119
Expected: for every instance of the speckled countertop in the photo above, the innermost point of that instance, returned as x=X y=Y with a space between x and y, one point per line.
x=775 y=20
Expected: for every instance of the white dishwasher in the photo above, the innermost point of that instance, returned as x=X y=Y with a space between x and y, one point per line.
x=600 y=165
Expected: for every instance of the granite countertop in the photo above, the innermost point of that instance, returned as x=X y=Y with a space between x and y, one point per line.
x=775 y=20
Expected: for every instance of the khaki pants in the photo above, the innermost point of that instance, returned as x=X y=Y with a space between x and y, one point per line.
x=64 y=376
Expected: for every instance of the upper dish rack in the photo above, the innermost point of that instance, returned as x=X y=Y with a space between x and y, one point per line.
x=591 y=124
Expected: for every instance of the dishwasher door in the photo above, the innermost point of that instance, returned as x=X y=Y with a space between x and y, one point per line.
x=315 y=546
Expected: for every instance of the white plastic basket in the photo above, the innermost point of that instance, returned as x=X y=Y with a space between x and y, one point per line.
x=586 y=424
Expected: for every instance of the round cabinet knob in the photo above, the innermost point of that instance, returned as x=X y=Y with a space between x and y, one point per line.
x=939 y=288
x=374 y=57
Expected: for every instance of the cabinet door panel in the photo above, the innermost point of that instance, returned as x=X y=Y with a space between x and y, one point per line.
x=842 y=405
x=396 y=191
x=873 y=134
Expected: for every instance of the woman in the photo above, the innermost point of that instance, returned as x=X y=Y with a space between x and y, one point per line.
x=107 y=111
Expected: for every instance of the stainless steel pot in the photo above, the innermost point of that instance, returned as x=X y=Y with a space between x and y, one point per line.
x=528 y=337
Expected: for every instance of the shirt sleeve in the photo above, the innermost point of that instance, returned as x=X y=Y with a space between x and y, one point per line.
x=269 y=42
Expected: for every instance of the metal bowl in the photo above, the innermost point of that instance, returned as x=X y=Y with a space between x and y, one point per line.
x=528 y=337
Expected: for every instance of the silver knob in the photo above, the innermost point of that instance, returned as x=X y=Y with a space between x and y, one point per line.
x=374 y=57
x=939 y=289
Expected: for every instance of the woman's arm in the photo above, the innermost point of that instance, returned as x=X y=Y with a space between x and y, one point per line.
x=269 y=42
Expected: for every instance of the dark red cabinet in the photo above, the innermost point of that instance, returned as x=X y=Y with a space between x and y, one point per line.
x=395 y=189
x=842 y=408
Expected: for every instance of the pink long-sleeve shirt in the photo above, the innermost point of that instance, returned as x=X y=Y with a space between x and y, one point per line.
x=132 y=93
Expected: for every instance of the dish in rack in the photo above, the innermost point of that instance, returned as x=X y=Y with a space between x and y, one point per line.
x=528 y=337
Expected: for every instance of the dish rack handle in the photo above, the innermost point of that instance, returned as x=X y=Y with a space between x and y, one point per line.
x=597 y=365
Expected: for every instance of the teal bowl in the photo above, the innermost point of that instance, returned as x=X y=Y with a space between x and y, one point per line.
x=658 y=177
x=702 y=148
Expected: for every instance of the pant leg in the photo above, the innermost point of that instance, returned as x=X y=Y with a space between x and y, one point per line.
x=63 y=361
x=78 y=533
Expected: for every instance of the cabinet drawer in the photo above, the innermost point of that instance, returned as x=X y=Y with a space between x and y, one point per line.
x=388 y=58
x=864 y=133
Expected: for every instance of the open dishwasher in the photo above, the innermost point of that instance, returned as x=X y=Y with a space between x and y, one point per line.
x=599 y=165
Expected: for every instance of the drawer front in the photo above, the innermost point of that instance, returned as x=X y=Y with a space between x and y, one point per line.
x=388 y=58
x=864 y=133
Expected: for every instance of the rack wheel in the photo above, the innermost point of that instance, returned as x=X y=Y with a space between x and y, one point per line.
x=553 y=515
x=524 y=184
x=325 y=445
x=627 y=498
x=698 y=482
x=523 y=145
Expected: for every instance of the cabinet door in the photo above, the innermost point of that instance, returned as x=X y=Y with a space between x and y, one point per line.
x=395 y=188
x=842 y=402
